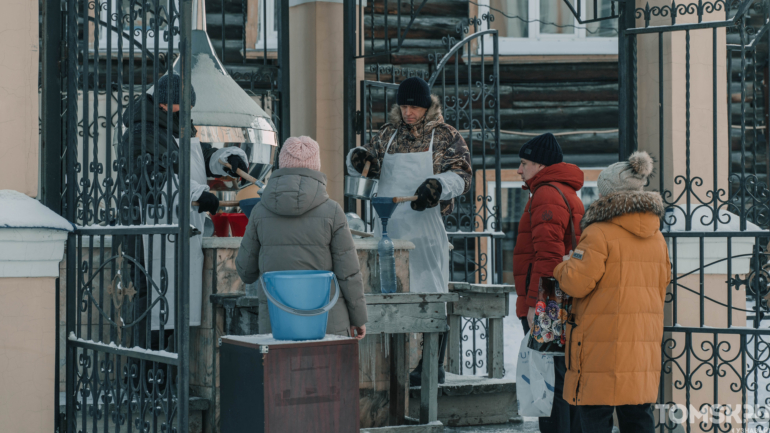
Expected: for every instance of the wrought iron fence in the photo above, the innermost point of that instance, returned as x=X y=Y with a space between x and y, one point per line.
x=124 y=200
x=713 y=180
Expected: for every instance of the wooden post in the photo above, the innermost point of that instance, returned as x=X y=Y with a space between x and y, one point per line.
x=398 y=378
x=429 y=386
x=454 y=345
x=495 y=349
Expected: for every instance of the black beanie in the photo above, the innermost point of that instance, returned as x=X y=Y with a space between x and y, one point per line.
x=414 y=91
x=543 y=149
x=164 y=95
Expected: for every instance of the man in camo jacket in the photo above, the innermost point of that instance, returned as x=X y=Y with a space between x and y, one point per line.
x=417 y=154
x=450 y=153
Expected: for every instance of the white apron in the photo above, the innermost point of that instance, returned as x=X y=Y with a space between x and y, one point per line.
x=198 y=184
x=401 y=175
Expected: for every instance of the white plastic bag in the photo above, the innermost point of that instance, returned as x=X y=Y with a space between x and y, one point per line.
x=534 y=381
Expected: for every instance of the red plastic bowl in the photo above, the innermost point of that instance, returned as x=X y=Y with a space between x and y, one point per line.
x=221 y=225
x=238 y=222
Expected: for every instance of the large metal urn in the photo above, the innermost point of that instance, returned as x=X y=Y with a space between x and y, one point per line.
x=224 y=114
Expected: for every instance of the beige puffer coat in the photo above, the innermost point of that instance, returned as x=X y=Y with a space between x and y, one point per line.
x=297 y=227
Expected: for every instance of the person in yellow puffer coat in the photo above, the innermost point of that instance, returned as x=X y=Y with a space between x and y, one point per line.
x=618 y=275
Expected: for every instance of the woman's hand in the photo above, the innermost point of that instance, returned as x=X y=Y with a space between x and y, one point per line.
x=531 y=317
x=358 y=331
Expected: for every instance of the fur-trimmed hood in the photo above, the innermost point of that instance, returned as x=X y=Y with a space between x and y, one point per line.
x=432 y=118
x=638 y=212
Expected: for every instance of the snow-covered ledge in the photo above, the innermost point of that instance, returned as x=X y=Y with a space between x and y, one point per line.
x=31 y=237
x=714 y=248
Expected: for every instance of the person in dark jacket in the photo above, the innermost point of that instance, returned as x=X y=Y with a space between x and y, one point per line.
x=148 y=166
x=296 y=226
x=139 y=144
x=544 y=239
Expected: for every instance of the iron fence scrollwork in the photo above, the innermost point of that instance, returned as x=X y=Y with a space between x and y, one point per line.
x=714 y=350
x=124 y=369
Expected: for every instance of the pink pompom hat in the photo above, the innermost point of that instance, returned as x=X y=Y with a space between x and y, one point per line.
x=300 y=152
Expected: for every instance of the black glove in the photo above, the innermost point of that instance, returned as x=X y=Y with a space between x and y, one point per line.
x=235 y=162
x=208 y=202
x=428 y=195
x=359 y=158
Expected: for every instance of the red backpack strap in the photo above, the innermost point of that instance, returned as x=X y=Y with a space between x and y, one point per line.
x=569 y=209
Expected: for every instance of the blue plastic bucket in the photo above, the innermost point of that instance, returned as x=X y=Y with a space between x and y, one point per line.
x=247 y=205
x=298 y=303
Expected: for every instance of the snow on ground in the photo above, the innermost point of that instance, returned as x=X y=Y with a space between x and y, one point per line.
x=513 y=333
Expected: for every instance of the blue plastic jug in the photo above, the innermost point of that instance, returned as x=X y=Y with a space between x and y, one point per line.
x=298 y=303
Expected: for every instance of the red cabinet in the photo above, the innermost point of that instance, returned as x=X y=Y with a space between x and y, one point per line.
x=275 y=386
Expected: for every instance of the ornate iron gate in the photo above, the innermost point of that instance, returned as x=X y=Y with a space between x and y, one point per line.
x=715 y=347
x=466 y=79
x=117 y=378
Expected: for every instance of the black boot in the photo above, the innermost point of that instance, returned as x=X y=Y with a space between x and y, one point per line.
x=415 y=377
x=442 y=342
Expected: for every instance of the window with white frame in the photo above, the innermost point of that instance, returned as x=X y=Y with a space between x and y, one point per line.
x=127 y=18
x=548 y=27
x=268 y=20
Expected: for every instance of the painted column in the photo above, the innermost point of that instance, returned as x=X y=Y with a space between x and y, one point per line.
x=688 y=105
x=19 y=96
x=30 y=255
x=316 y=54
x=32 y=241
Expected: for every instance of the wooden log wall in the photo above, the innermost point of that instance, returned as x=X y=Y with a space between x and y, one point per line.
x=576 y=97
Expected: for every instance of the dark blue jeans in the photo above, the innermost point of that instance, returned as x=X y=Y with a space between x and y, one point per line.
x=636 y=418
x=564 y=417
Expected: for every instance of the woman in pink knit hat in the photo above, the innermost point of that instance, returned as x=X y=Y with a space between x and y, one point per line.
x=297 y=227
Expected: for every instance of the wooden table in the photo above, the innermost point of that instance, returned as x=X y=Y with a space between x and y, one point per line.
x=399 y=314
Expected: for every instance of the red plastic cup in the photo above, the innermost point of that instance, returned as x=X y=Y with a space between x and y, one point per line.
x=221 y=225
x=238 y=222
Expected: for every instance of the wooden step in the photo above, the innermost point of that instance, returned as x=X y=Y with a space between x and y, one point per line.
x=423 y=27
x=434 y=427
x=231 y=6
x=585 y=116
x=445 y=8
x=472 y=400
x=513 y=73
x=234 y=26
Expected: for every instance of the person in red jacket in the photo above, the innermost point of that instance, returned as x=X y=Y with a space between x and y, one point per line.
x=544 y=239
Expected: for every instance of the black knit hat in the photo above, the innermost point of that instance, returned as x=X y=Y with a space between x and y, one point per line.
x=543 y=149
x=163 y=94
x=414 y=91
